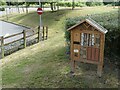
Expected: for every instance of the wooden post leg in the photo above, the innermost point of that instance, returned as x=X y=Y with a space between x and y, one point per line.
x=72 y=66
x=100 y=68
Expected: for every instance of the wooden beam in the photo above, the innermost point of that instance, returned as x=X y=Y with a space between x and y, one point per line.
x=100 y=65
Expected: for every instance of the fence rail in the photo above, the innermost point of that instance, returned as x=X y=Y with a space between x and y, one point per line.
x=25 y=37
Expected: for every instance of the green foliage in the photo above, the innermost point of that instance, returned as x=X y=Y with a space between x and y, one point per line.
x=112 y=3
x=80 y=4
x=2 y=2
x=94 y=3
x=2 y=9
x=108 y=20
x=67 y=4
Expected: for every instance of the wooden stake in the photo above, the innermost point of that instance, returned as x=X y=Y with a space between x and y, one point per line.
x=43 y=33
x=46 y=32
x=38 y=33
x=2 y=46
x=24 y=36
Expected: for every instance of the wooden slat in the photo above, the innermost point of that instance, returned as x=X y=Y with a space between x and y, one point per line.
x=89 y=32
x=35 y=37
x=31 y=35
x=77 y=37
x=32 y=29
x=13 y=35
x=89 y=53
x=87 y=26
x=93 y=54
x=96 y=54
x=13 y=41
x=76 y=47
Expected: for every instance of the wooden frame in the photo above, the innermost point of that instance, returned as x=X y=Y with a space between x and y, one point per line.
x=87 y=44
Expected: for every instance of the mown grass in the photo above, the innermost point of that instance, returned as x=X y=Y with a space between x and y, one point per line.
x=45 y=64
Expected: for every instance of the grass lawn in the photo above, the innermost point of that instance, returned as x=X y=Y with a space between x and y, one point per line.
x=45 y=64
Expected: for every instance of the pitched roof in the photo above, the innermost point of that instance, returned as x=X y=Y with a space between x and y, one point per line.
x=92 y=23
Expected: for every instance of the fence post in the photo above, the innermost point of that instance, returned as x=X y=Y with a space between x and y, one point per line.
x=2 y=46
x=24 y=36
x=46 y=32
x=43 y=33
x=38 y=33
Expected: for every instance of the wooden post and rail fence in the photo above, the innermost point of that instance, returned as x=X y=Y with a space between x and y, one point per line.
x=24 y=37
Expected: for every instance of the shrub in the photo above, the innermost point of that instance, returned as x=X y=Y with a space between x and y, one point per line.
x=2 y=9
x=94 y=3
x=68 y=4
x=80 y=4
x=109 y=21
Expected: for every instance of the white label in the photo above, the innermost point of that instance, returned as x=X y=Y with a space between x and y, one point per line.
x=76 y=50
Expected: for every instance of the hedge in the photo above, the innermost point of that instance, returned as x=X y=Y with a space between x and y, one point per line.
x=2 y=9
x=108 y=20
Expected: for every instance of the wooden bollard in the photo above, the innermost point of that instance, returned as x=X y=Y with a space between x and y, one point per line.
x=38 y=33
x=2 y=46
x=46 y=32
x=24 y=37
x=43 y=32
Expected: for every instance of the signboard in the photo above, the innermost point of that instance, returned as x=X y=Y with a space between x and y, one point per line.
x=39 y=11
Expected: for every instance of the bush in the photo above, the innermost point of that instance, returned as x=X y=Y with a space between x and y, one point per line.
x=80 y=4
x=2 y=2
x=112 y=3
x=107 y=20
x=94 y=3
x=68 y=4
x=2 y=9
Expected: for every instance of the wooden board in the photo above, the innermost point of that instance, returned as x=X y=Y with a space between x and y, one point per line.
x=76 y=52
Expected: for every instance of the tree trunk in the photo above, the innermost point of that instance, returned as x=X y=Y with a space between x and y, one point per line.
x=18 y=7
x=73 y=4
x=26 y=7
x=23 y=8
x=51 y=5
x=57 y=6
x=54 y=6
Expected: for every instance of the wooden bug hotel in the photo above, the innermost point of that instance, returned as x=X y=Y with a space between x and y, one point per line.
x=87 y=43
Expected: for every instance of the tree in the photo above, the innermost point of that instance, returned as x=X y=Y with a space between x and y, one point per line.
x=73 y=4
x=2 y=2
